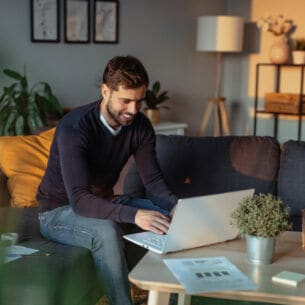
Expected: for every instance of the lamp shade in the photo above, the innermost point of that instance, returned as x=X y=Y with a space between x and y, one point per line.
x=220 y=33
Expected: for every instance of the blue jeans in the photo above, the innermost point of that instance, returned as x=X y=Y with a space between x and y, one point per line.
x=102 y=237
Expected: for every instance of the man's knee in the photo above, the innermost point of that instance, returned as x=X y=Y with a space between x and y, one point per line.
x=106 y=232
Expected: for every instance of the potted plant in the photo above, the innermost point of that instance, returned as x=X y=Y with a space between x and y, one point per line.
x=261 y=218
x=153 y=99
x=298 y=53
x=24 y=109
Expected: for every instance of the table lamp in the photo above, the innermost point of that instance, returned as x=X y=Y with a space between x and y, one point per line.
x=218 y=34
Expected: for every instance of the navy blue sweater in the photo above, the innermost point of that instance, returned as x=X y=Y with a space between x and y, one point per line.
x=85 y=162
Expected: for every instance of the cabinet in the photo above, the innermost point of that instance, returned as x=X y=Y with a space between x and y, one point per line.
x=170 y=128
x=279 y=69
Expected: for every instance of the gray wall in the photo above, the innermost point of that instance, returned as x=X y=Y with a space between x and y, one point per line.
x=160 y=32
x=236 y=71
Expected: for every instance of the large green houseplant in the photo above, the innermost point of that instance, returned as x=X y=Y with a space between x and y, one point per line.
x=154 y=100
x=24 y=109
x=261 y=218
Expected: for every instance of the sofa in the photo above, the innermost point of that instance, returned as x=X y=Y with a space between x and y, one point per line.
x=191 y=166
x=194 y=166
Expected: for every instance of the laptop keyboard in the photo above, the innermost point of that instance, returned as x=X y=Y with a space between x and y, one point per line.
x=156 y=241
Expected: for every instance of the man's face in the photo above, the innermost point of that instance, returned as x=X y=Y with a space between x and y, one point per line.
x=119 y=107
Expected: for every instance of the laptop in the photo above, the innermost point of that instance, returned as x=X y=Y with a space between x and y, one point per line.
x=197 y=221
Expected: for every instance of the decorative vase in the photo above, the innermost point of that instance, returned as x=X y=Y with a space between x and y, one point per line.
x=298 y=57
x=279 y=51
x=260 y=249
x=153 y=115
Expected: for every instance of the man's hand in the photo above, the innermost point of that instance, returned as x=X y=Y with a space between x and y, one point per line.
x=171 y=214
x=152 y=221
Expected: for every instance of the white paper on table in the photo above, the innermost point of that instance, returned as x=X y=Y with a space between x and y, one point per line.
x=8 y=258
x=207 y=274
x=14 y=252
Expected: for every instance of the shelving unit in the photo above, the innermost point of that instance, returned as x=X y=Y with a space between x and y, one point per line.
x=278 y=71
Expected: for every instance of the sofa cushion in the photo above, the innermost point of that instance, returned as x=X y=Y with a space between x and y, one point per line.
x=24 y=160
x=291 y=179
x=208 y=165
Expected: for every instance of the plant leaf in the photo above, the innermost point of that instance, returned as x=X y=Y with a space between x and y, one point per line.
x=156 y=87
x=4 y=104
x=150 y=100
x=47 y=88
x=19 y=125
x=38 y=121
x=31 y=122
x=55 y=104
x=24 y=85
x=13 y=74
x=1 y=129
x=31 y=106
x=9 y=122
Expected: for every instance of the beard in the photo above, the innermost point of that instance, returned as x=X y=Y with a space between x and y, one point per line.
x=118 y=116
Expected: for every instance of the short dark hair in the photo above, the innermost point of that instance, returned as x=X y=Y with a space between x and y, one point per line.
x=127 y=71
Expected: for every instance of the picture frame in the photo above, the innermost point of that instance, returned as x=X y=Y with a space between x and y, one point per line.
x=45 y=26
x=77 y=21
x=106 y=21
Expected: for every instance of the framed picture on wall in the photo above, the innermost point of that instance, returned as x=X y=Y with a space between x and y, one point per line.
x=105 y=28
x=45 y=21
x=77 y=25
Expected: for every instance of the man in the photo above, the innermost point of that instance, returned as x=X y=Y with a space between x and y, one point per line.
x=90 y=147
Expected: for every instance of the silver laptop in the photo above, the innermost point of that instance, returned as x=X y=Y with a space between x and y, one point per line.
x=197 y=221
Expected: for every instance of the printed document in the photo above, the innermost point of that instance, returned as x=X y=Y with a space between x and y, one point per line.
x=207 y=274
x=14 y=252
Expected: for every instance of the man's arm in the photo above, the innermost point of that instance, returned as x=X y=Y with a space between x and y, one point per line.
x=73 y=155
x=150 y=172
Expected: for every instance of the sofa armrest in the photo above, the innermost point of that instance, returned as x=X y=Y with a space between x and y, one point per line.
x=4 y=194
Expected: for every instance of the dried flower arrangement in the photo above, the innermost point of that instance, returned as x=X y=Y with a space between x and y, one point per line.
x=277 y=25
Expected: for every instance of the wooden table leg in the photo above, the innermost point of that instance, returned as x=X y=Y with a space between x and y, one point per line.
x=184 y=299
x=158 y=298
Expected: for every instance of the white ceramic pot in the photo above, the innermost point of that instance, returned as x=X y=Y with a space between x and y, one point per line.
x=260 y=249
x=298 y=57
x=279 y=50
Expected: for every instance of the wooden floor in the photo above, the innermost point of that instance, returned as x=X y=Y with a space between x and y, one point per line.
x=138 y=296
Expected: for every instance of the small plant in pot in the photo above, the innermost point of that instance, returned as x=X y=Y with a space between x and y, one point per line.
x=153 y=99
x=261 y=218
x=298 y=53
x=24 y=109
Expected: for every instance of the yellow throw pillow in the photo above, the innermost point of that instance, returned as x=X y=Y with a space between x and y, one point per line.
x=23 y=159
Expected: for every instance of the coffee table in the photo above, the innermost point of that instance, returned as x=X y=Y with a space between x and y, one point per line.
x=153 y=275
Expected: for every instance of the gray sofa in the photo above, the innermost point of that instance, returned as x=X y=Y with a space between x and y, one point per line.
x=210 y=165
x=191 y=167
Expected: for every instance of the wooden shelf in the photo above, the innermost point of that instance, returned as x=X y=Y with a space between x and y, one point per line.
x=276 y=115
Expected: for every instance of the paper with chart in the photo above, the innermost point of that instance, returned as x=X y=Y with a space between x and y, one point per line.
x=15 y=252
x=207 y=274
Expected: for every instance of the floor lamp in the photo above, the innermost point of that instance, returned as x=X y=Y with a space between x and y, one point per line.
x=218 y=34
